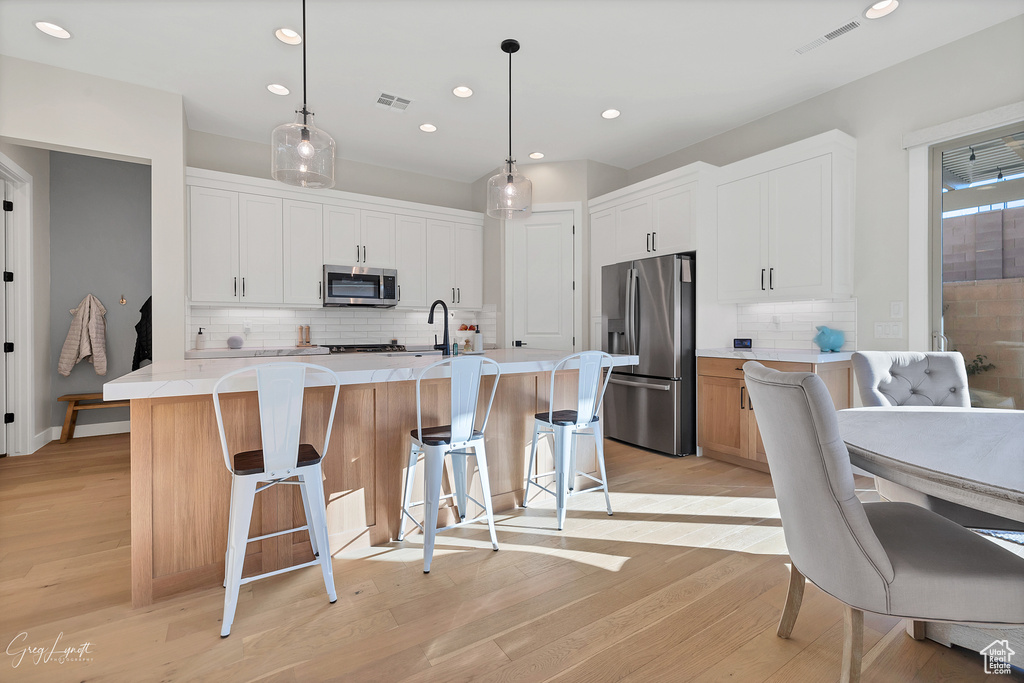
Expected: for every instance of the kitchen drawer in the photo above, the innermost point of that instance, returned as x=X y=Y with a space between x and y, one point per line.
x=733 y=367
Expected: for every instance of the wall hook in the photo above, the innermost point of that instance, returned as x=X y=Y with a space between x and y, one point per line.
x=123 y=300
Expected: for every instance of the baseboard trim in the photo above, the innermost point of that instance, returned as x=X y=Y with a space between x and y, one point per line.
x=97 y=429
x=41 y=439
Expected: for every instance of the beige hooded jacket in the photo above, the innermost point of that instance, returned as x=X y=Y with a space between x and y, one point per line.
x=87 y=338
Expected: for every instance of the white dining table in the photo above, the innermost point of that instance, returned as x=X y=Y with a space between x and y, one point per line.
x=970 y=456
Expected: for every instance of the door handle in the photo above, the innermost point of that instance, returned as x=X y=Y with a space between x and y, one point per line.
x=743 y=402
x=453 y=295
x=364 y=253
x=243 y=286
x=648 y=243
x=399 y=292
x=236 y=287
x=762 y=279
x=641 y=385
x=458 y=295
x=771 y=278
x=357 y=253
x=320 y=290
x=654 y=241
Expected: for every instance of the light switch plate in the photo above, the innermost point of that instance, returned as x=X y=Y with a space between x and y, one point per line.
x=896 y=310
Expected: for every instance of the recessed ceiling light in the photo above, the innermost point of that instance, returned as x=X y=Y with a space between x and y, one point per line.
x=287 y=35
x=611 y=113
x=428 y=128
x=880 y=9
x=462 y=91
x=537 y=155
x=278 y=89
x=53 y=30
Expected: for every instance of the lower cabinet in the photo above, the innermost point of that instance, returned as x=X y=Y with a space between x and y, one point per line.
x=726 y=420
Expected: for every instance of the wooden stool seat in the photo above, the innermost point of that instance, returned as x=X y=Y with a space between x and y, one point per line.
x=75 y=404
x=251 y=462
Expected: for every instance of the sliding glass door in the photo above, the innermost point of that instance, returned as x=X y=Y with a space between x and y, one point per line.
x=982 y=265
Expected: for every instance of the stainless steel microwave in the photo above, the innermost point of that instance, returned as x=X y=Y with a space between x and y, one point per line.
x=360 y=286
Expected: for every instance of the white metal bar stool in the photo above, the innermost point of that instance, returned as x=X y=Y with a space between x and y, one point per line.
x=458 y=438
x=279 y=388
x=565 y=426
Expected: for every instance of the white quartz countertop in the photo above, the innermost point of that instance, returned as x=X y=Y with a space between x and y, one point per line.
x=196 y=377
x=257 y=351
x=785 y=355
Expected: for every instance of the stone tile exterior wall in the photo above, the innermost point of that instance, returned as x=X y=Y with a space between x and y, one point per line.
x=987 y=317
x=983 y=246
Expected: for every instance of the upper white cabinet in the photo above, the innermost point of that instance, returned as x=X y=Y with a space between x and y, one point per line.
x=260 y=233
x=455 y=264
x=341 y=236
x=359 y=238
x=469 y=267
x=235 y=247
x=655 y=217
x=213 y=244
x=785 y=231
x=303 y=252
x=410 y=260
x=252 y=241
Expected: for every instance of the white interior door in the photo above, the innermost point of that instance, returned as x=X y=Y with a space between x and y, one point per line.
x=541 y=274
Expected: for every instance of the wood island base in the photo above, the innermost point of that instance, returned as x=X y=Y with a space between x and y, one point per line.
x=180 y=488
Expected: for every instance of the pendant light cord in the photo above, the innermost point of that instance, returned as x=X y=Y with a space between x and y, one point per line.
x=305 y=112
x=509 y=108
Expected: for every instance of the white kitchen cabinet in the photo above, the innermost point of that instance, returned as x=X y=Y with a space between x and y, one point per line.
x=354 y=237
x=410 y=261
x=602 y=253
x=455 y=264
x=377 y=239
x=674 y=226
x=441 y=261
x=213 y=245
x=259 y=249
x=633 y=226
x=469 y=272
x=234 y=247
x=341 y=236
x=303 y=252
x=743 y=238
x=779 y=238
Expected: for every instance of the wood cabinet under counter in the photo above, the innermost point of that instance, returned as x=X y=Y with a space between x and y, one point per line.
x=726 y=420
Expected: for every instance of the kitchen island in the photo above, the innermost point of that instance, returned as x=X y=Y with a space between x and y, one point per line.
x=180 y=487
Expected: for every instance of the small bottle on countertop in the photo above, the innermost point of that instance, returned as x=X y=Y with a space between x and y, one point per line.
x=200 y=340
x=455 y=348
x=478 y=341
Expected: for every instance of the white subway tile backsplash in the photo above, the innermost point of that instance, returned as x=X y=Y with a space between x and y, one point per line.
x=791 y=324
x=279 y=326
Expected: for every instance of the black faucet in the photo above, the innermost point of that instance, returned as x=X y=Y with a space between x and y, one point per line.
x=443 y=347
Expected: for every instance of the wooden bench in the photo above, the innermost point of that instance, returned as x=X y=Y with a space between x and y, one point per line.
x=75 y=404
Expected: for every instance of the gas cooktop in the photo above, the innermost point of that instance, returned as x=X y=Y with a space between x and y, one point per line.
x=365 y=348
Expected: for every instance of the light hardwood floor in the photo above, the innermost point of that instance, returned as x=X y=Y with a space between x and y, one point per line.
x=684 y=583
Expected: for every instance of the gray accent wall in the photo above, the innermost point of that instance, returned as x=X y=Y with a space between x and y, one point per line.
x=100 y=244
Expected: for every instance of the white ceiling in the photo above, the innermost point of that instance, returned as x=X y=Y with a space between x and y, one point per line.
x=679 y=70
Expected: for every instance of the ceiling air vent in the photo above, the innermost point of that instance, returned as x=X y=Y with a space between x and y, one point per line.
x=393 y=102
x=831 y=35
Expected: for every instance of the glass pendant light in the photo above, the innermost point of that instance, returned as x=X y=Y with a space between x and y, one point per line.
x=301 y=153
x=509 y=192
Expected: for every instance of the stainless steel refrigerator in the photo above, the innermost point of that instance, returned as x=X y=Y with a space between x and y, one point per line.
x=648 y=310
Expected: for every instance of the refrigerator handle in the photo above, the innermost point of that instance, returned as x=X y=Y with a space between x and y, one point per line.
x=629 y=311
x=632 y=322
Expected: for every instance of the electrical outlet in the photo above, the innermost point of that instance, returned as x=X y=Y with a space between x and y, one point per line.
x=888 y=330
x=247 y=326
x=896 y=310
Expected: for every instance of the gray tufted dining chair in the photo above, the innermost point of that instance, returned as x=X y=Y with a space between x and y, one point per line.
x=889 y=558
x=899 y=378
